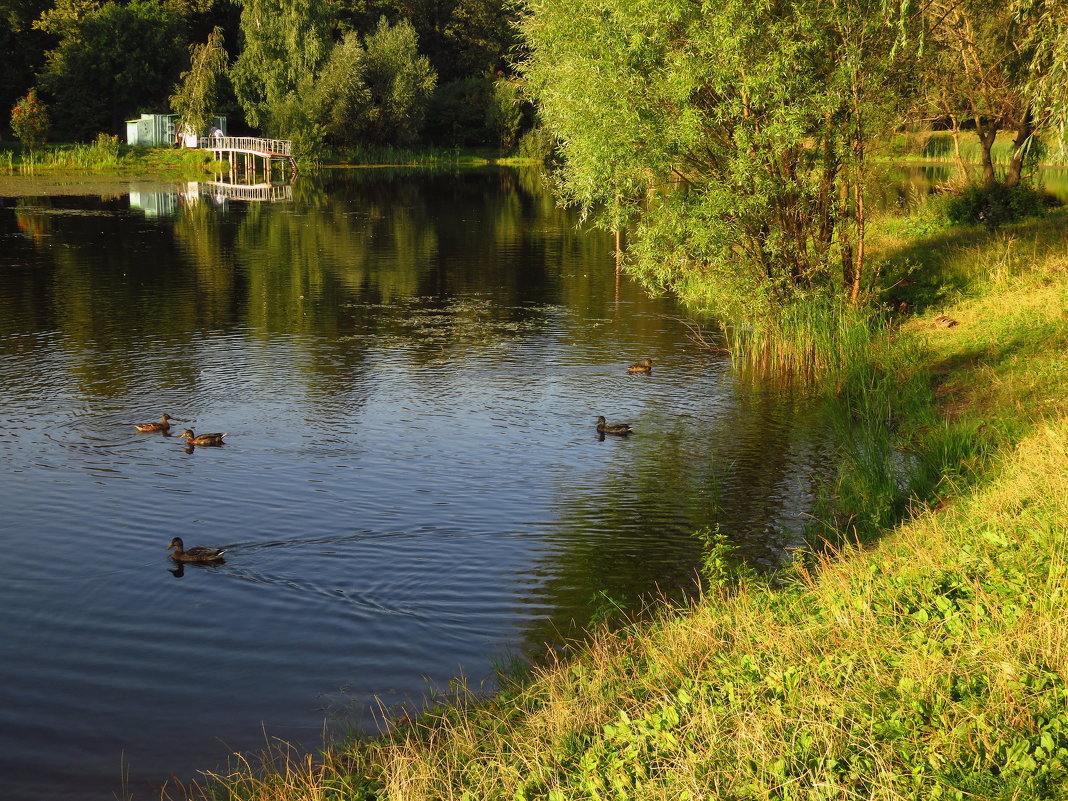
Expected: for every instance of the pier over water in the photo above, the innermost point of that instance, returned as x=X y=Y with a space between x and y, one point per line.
x=243 y=151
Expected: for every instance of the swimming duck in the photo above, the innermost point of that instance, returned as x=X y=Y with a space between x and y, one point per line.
x=162 y=425
x=644 y=367
x=614 y=428
x=202 y=439
x=198 y=554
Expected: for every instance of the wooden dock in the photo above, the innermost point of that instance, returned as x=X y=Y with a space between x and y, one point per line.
x=245 y=151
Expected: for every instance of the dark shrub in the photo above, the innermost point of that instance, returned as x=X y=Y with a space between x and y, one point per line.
x=996 y=204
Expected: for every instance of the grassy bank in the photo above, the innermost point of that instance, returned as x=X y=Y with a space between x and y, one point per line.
x=424 y=157
x=925 y=657
x=106 y=154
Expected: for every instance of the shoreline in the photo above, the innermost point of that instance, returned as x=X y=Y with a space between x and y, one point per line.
x=929 y=661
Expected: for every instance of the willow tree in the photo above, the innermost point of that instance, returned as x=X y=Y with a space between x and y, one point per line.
x=979 y=59
x=1046 y=83
x=732 y=136
x=197 y=91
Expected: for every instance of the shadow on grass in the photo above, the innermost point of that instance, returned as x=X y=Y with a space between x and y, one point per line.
x=931 y=273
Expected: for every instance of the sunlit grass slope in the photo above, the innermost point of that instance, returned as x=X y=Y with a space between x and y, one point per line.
x=929 y=662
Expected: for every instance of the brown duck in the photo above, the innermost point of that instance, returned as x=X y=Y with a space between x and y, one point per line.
x=645 y=367
x=622 y=429
x=202 y=439
x=197 y=554
x=163 y=424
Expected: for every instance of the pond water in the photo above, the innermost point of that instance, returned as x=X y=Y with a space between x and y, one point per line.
x=409 y=368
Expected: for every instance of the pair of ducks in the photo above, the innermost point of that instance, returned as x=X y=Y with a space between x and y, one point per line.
x=622 y=429
x=191 y=439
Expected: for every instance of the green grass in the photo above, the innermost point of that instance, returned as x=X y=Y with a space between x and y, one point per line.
x=815 y=340
x=106 y=154
x=937 y=147
x=399 y=156
x=922 y=655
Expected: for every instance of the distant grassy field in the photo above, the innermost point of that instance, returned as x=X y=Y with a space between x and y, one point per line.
x=937 y=146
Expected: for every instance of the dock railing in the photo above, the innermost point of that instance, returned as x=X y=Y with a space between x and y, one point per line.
x=248 y=144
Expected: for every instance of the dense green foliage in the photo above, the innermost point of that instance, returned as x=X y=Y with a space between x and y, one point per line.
x=283 y=45
x=100 y=63
x=994 y=205
x=117 y=58
x=747 y=123
x=736 y=141
x=399 y=82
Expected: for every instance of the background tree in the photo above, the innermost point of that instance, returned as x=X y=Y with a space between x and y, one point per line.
x=400 y=82
x=982 y=43
x=29 y=121
x=22 y=46
x=1047 y=78
x=197 y=93
x=341 y=94
x=113 y=62
x=284 y=45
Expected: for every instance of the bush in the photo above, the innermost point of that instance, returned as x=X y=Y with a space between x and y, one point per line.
x=537 y=144
x=29 y=121
x=996 y=205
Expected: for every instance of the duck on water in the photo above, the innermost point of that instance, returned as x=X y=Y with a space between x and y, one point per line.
x=622 y=429
x=195 y=554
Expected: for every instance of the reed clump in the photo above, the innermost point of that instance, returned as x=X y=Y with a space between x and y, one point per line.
x=812 y=341
x=922 y=655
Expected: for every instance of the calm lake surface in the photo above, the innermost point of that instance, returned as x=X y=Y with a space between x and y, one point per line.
x=409 y=368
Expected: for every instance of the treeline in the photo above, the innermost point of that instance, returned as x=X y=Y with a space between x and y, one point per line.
x=330 y=74
x=734 y=142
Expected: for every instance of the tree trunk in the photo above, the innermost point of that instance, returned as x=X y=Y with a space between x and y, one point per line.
x=858 y=267
x=958 y=157
x=845 y=218
x=988 y=131
x=859 y=158
x=1019 y=149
